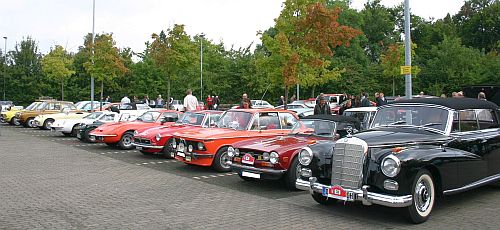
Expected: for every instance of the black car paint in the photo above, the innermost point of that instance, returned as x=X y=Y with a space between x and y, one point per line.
x=450 y=159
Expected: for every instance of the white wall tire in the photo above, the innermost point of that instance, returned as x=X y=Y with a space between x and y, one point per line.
x=424 y=197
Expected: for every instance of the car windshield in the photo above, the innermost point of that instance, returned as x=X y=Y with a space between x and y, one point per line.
x=412 y=116
x=5 y=102
x=362 y=116
x=191 y=118
x=92 y=116
x=294 y=106
x=321 y=128
x=237 y=120
x=150 y=116
x=33 y=105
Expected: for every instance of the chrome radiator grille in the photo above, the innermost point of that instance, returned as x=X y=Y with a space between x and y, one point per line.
x=347 y=165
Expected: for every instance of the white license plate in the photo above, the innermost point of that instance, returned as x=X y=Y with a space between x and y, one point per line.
x=251 y=175
x=181 y=154
x=138 y=147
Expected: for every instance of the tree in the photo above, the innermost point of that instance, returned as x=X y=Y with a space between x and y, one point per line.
x=106 y=63
x=393 y=59
x=172 y=52
x=57 y=65
x=306 y=33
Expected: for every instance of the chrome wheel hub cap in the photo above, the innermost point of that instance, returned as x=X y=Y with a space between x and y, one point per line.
x=224 y=159
x=127 y=140
x=423 y=197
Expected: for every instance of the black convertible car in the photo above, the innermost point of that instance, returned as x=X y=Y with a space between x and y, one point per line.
x=415 y=151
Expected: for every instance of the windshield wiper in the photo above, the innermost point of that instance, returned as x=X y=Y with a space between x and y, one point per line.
x=397 y=123
x=429 y=124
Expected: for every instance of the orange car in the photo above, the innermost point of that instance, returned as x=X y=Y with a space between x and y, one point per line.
x=122 y=133
x=208 y=147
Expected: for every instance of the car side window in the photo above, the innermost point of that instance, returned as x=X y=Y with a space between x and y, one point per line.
x=487 y=119
x=266 y=121
x=287 y=120
x=464 y=121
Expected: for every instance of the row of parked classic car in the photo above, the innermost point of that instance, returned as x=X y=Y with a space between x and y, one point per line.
x=405 y=154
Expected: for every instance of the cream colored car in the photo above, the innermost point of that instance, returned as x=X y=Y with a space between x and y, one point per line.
x=45 y=121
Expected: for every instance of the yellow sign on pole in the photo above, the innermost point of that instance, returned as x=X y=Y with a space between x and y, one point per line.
x=405 y=69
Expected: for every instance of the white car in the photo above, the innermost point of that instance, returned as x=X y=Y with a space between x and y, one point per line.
x=69 y=127
x=363 y=114
x=292 y=106
x=261 y=104
x=177 y=105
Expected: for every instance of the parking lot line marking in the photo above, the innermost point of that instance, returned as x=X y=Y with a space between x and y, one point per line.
x=205 y=177
x=145 y=163
x=197 y=178
x=213 y=175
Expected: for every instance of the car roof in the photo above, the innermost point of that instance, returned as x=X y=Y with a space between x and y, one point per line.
x=261 y=110
x=336 y=118
x=452 y=103
x=362 y=109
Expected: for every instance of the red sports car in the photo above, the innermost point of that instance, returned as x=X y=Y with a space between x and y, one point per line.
x=277 y=158
x=157 y=140
x=122 y=133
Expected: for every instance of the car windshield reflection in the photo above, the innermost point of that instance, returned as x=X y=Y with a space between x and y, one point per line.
x=237 y=120
x=320 y=128
x=415 y=116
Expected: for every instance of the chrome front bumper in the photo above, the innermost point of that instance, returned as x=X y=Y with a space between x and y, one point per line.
x=363 y=195
x=147 y=146
x=255 y=169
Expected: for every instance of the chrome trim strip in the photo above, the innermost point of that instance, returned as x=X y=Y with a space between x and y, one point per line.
x=262 y=170
x=363 y=195
x=104 y=135
x=473 y=185
x=148 y=146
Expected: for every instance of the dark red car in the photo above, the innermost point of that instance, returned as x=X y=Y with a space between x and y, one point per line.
x=276 y=158
x=156 y=140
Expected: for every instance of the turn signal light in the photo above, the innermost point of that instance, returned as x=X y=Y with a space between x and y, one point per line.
x=397 y=149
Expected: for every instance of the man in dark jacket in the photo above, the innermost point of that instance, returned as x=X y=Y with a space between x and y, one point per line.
x=322 y=107
x=381 y=100
x=365 y=101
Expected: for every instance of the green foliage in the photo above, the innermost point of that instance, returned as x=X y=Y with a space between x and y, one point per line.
x=57 y=65
x=325 y=46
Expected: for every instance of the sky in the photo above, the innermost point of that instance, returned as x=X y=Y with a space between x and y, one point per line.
x=234 y=22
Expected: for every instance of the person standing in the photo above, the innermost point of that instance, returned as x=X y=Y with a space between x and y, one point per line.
x=322 y=107
x=152 y=103
x=146 y=100
x=244 y=98
x=281 y=101
x=481 y=96
x=365 y=101
x=216 y=102
x=125 y=100
x=159 y=102
x=190 y=101
x=381 y=100
x=210 y=102
x=293 y=98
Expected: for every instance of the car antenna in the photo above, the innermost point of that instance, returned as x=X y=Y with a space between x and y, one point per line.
x=262 y=98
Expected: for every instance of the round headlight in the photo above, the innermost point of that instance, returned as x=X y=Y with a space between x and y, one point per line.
x=305 y=156
x=158 y=137
x=274 y=157
x=265 y=156
x=190 y=148
x=135 y=133
x=174 y=144
x=231 y=152
x=201 y=146
x=390 y=166
x=237 y=152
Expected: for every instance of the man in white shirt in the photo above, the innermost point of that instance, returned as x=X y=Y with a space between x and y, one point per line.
x=125 y=100
x=190 y=101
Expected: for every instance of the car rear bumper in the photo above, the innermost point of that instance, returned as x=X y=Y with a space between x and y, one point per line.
x=363 y=195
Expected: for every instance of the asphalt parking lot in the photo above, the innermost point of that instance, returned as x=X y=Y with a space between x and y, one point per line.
x=48 y=181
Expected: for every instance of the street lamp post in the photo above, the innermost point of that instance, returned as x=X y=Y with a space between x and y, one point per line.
x=92 y=77
x=408 y=86
x=202 y=36
x=5 y=67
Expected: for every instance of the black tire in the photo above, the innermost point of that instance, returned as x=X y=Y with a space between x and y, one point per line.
x=145 y=153
x=74 y=131
x=424 y=197
x=218 y=164
x=323 y=200
x=29 y=123
x=167 y=149
x=126 y=141
x=14 y=121
x=292 y=174
x=111 y=144
x=47 y=124
x=67 y=134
